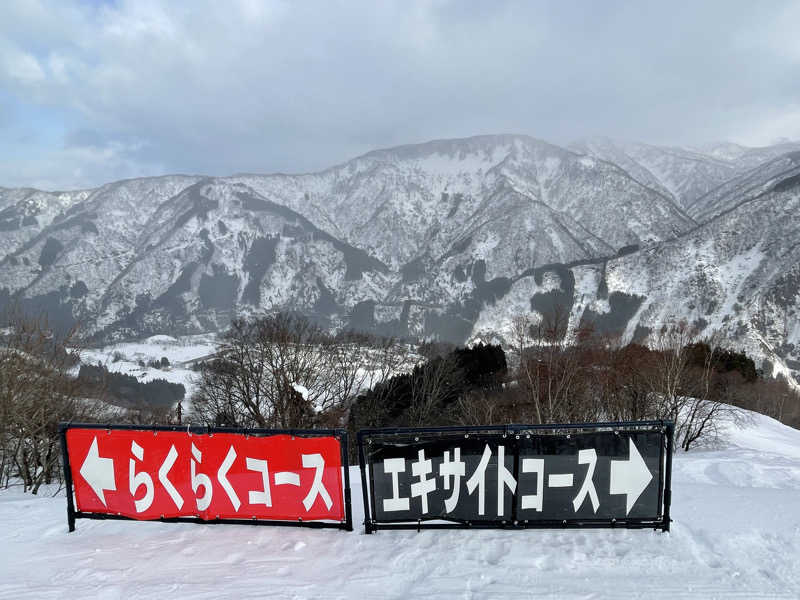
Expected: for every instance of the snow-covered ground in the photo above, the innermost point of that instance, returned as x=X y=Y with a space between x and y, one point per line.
x=736 y=534
x=179 y=351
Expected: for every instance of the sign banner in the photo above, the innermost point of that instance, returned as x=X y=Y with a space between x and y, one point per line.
x=592 y=475
x=220 y=475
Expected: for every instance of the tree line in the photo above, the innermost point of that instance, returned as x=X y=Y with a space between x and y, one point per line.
x=127 y=391
x=285 y=371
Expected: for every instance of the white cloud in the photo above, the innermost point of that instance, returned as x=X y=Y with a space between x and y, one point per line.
x=77 y=166
x=772 y=126
x=261 y=86
x=20 y=67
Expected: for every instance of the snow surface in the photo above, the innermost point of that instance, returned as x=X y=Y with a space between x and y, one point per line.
x=181 y=353
x=736 y=534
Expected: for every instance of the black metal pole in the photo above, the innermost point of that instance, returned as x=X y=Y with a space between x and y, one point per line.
x=362 y=463
x=515 y=498
x=348 y=525
x=62 y=429
x=662 y=466
x=668 y=475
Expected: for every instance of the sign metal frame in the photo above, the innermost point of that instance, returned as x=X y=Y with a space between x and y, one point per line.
x=340 y=434
x=513 y=433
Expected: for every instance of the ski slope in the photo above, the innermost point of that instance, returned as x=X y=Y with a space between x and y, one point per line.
x=736 y=534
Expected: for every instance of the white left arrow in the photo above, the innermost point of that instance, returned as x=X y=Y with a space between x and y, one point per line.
x=630 y=476
x=98 y=472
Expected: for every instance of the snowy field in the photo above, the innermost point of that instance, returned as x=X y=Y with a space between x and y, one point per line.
x=736 y=534
x=183 y=352
x=179 y=351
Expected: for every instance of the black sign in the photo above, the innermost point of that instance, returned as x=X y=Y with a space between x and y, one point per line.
x=596 y=475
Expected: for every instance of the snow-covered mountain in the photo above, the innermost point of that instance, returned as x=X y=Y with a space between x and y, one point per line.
x=685 y=174
x=413 y=202
x=746 y=186
x=446 y=238
x=736 y=275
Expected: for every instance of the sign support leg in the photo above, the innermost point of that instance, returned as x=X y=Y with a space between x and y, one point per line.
x=668 y=476
x=364 y=490
x=67 y=478
x=348 y=525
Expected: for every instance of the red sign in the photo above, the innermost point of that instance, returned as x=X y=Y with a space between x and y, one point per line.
x=153 y=474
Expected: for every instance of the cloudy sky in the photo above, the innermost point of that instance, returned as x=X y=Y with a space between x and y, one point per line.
x=95 y=91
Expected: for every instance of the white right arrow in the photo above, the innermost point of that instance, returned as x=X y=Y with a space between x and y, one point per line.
x=630 y=476
x=98 y=472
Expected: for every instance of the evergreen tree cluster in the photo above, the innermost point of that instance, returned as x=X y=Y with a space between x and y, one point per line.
x=429 y=394
x=128 y=391
x=723 y=360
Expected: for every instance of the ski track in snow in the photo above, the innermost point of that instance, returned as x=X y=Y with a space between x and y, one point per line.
x=736 y=534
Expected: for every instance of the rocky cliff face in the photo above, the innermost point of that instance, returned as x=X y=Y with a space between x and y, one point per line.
x=448 y=238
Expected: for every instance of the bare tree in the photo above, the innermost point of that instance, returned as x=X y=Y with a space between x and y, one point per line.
x=38 y=389
x=632 y=369
x=484 y=407
x=687 y=387
x=386 y=357
x=284 y=371
x=433 y=386
x=670 y=377
x=550 y=368
x=267 y=373
x=711 y=397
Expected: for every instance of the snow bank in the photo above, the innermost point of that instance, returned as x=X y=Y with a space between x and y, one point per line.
x=736 y=534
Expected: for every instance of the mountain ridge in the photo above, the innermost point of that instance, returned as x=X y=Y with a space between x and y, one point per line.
x=424 y=239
